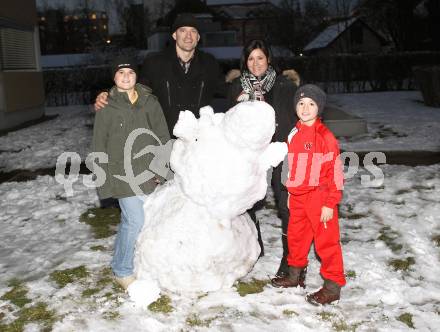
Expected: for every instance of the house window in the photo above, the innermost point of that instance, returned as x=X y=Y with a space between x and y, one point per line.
x=17 y=49
x=357 y=35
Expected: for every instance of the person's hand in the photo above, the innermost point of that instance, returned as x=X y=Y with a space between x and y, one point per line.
x=232 y=75
x=101 y=101
x=326 y=214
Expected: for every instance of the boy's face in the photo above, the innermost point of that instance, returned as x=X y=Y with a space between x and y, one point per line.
x=186 y=38
x=125 y=79
x=307 y=111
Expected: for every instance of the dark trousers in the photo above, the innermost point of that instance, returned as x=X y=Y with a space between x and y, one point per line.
x=280 y=193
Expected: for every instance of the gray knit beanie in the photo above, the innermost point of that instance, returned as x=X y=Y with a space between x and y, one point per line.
x=313 y=92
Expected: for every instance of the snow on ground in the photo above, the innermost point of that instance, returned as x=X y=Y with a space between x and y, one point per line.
x=390 y=235
x=384 y=228
x=39 y=146
x=397 y=121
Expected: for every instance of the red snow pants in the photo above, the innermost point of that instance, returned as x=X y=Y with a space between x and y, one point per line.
x=305 y=226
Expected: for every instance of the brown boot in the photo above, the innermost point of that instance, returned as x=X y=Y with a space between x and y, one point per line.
x=295 y=277
x=329 y=293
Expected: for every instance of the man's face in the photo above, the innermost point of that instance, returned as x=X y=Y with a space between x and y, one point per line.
x=186 y=38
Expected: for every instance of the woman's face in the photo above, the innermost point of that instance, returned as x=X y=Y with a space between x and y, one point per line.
x=257 y=62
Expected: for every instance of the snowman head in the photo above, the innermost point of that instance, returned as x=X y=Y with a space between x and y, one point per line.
x=217 y=158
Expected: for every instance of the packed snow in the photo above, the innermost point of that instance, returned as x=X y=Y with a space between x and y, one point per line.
x=390 y=234
x=396 y=121
x=220 y=162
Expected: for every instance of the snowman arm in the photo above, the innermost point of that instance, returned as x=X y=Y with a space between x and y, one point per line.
x=186 y=127
x=273 y=155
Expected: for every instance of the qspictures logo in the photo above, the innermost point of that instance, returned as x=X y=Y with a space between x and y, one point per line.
x=159 y=165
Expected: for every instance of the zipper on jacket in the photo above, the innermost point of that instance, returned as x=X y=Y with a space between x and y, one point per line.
x=200 y=94
x=169 y=93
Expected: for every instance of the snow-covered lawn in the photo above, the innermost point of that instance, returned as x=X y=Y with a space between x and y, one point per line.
x=396 y=121
x=390 y=236
x=54 y=271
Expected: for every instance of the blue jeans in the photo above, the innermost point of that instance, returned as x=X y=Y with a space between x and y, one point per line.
x=132 y=220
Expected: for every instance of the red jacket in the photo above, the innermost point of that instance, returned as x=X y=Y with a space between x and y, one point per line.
x=314 y=162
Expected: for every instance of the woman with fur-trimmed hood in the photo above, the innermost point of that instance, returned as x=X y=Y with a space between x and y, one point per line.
x=258 y=80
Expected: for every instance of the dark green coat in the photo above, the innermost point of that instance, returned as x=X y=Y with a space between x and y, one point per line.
x=113 y=125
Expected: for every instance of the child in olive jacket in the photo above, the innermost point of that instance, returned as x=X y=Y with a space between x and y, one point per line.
x=131 y=106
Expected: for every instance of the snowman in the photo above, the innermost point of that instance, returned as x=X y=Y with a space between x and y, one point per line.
x=197 y=236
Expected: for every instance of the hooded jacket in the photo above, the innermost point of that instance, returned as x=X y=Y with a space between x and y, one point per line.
x=111 y=130
x=176 y=90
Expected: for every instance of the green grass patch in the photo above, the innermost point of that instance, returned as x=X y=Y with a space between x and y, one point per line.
x=162 y=304
x=355 y=216
x=325 y=315
x=341 y=325
x=98 y=248
x=112 y=315
x=90 y=292
x=251 y=287
x=351 y=274
x=402 y=264
x=105 y=278
x=436 y=239
x=194 y=320
x=18 y=294
x=422 y=188
x=102 y=221
x=403 y=191
x=390 y=237
x=290 y=313
x=338 y=323
x=67 y=276
x=37 y=313
x=407 y=319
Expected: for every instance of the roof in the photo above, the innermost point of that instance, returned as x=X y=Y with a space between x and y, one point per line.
x=244 y=10
x=329 y=34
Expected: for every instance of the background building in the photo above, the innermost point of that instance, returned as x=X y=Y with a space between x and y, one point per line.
x=21 y=79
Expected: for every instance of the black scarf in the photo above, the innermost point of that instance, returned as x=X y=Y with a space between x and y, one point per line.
x=254 y=88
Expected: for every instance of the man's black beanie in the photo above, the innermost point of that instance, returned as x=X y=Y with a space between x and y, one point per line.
x=185 y=20
x=124 y=61
x=313 y=92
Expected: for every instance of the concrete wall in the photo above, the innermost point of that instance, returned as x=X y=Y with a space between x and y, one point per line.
x=21 y=90
x=22 y=12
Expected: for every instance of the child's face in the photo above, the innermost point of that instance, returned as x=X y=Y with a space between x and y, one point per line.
x=125 y=79
x=307 y=111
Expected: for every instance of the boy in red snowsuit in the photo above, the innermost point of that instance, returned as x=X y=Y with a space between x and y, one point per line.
x=315 y=188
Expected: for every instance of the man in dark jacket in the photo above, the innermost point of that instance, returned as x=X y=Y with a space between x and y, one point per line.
x=182 y=77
